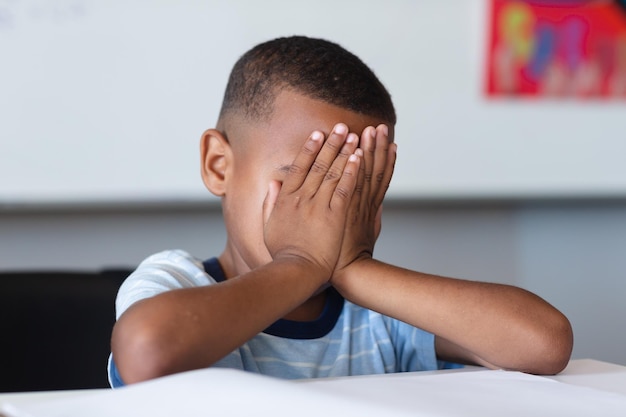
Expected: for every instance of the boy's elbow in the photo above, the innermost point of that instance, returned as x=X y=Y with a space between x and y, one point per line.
x=553 y=349
x=137 y=353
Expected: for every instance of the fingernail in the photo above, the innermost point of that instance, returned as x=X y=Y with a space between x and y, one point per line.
x=351 y=138
x=385 y=130
x=341 y=129
x=353 y=158
x=316 y=136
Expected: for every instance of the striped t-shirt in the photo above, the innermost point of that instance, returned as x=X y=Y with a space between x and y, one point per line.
x=345 y=340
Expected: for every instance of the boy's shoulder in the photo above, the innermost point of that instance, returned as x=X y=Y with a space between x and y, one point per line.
x=160 y=272
x=173 y=262
x=171 y=256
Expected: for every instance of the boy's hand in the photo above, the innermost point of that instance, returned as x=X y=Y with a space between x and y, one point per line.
x=363 y=223
x=305 y=216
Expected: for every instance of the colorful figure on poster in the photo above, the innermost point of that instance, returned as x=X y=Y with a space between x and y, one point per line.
x=575 y=50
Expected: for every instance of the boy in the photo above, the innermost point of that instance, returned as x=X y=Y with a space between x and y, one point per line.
x=296 y=292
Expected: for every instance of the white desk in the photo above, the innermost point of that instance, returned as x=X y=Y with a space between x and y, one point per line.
x=589 y=373
x=594 y=374
x=603 y=378
x=41 y=396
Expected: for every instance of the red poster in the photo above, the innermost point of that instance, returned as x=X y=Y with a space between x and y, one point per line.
x=557 y=48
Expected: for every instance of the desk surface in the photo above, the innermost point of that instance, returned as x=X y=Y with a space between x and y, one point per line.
x=606 y=377
x=594 y=374
x=580 y=372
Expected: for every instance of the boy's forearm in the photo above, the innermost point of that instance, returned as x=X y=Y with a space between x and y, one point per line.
x=491 y=324
x=193 y=328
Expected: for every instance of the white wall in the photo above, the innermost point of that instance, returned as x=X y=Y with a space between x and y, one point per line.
x=107 y=100
x=572 y=254
x=576 y=257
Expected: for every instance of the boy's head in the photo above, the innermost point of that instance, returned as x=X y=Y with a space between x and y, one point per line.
x=278 y=93
x=316 y=68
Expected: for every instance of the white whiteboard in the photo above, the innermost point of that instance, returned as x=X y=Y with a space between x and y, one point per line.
x=105 y=101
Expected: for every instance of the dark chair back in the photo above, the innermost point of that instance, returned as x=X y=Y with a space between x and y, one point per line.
x=55 y=329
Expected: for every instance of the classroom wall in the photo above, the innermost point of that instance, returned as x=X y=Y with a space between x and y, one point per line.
x=570 y=253
x=93 y=111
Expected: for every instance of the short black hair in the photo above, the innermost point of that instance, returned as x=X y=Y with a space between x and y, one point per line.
x=317 y=68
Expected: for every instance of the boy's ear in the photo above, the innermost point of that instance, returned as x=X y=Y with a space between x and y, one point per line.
x=215 y=156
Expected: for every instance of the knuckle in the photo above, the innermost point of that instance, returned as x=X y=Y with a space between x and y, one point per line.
x=332 y=175
x=342 y=192
x=319 y=167
x=307 y=149
x=332 y=145
x=295 y=169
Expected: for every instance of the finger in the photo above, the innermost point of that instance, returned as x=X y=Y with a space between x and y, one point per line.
x=388 y=173
x=301 y=165
x=270 y=199
x=368 y=144
x=384 y=162
x=380 y=157
x=355 y=202
x=325 y=158
x=348 y=148
x=345 y=187
x=327 y=188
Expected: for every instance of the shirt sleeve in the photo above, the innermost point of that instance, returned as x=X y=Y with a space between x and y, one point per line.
x=115 y=380
x=164 y=271
x=415 y=348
